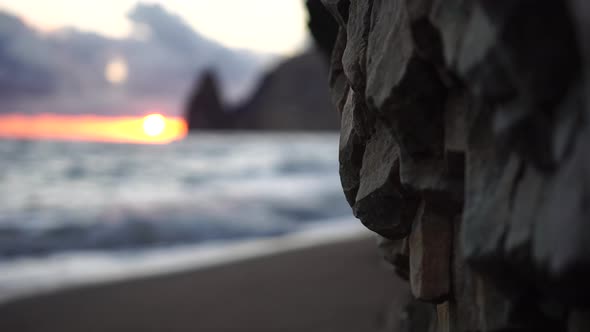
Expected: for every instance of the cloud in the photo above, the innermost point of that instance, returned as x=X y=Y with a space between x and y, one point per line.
x=22 y=71
x=170 y=30
x=63 y=71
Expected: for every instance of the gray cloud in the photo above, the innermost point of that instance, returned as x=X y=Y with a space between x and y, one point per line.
x=64 y=71
x=22 y=70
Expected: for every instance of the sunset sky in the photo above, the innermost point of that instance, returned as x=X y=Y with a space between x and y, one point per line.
x=92 y=128
x=60 y=83
x=275 y=26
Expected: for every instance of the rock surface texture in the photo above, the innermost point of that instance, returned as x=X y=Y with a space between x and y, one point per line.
x=465 y=144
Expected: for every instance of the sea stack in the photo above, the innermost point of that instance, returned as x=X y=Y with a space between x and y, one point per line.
x=205 y=108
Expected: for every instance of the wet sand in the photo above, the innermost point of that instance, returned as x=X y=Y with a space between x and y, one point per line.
x=336 y=287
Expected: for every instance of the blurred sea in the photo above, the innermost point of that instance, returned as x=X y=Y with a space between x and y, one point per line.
x=72 y=212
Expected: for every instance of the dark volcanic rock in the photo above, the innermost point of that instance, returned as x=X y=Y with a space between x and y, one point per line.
x=450 y=17
x=479 y=109
x=379 y=201
x=445 y=317
x=354 y=56
x=339 y=10
x=204 y=109
x=293 y=97
x=405 y=90
x=417 y=317
x=322 y=25
x=560 y=238
x=352 y=149
x=397 y=253
x=579 y=321
x=430 y=255
x=290 y=97
x=339 y=86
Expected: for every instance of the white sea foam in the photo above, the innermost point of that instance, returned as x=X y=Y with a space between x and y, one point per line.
x=33 y=276
x=73 y=214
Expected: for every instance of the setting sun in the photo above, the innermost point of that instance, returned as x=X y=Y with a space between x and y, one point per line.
x=154 y=124
x=154 y=128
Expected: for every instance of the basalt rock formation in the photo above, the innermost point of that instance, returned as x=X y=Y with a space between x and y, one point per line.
x=205 y=109
x=290 y=97
x=323 y=27
x=465 y=144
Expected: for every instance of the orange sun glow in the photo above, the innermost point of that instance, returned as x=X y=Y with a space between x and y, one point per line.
x=154 y=125
x=154 y=128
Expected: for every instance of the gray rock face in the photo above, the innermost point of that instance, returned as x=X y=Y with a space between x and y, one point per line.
x=357 y=32
x=430 y=255
x=291 y=97
x=478 y=109
x=401 y=87
x=352 y=149
x=205 y=108
x=379 y=201
x=338 y=83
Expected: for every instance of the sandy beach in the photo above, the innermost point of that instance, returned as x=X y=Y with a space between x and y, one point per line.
x=335 y=287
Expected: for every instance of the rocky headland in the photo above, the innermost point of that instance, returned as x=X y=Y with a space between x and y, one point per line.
x=291 y=97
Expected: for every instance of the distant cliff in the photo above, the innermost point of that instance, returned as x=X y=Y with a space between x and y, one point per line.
x=206 y=106
x=290 y=97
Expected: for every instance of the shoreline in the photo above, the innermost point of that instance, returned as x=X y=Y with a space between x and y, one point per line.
x=340 y=286
x=31 y=277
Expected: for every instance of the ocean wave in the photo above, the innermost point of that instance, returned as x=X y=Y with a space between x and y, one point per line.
x=67 y=197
